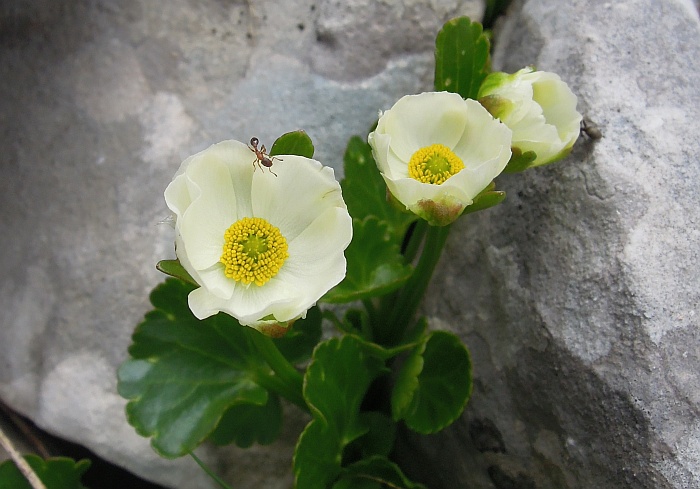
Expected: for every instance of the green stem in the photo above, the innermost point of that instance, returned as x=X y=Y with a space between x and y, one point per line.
x=415 y=240
x=409 y=298
x=287 y=381
x=209 y=472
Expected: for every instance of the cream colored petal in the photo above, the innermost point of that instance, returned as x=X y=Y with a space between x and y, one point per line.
x=203 y=224
x=302 y=191
x=417 y=121
x=316 y=261
x=483 y=137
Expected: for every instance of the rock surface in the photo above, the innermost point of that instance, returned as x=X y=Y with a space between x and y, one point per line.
x=101 y=102
x=578 y=296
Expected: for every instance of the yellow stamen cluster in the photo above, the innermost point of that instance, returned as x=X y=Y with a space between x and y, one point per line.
x=254 y=251
x=434 y=164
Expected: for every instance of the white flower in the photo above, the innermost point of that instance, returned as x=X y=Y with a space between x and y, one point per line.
x=538 y=107
x=263 y=248
x=437 y=151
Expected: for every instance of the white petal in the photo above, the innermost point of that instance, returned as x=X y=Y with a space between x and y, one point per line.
x=204 y=222
x=417 y=121
x=303 y=190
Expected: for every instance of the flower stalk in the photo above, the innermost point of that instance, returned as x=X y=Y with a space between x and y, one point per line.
x=287 y=381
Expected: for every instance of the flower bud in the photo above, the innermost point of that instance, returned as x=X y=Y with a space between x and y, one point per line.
x=539 y=108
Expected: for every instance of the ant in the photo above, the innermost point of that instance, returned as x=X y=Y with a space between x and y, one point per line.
x=261 y=157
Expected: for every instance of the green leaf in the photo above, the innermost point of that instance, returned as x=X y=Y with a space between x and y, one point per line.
x=520 y=161
x=185 y=373
x=434 y=384
x=365 y=192
x=293 y=143
x=487 y=198
x=380 y=436
x=55 y=473
x=461 y=57
x=302 y=337
x=375 y=264
x=175 y=269
x=317 y=456
x=334 y=386
x=245 y=424
x=375 y=473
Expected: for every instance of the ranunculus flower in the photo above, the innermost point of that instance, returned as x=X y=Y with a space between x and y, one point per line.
x=263 y=248
x=437 y=151
x=538 y=107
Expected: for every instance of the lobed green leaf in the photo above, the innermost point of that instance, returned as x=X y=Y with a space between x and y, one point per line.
x=55 y=473
x=245 y=424
x=461 y=57
x=375 y=263
x=434 y=384
x=375 y=473
x=520 y=161
x=184 y=373
x=334 y=386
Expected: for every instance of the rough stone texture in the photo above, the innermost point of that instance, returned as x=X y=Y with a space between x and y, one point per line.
x=579 y=295
x=101 y=101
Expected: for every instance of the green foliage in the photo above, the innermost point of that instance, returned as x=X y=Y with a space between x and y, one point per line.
x=293 y=143
x=374 y=473
x=302 y=337
x=185 y=373
x=245 y=424
x=434 y=384
x=520 y=161
x=334 y=386
x=55 y=473
x=175 y=269
x=489 y=197
x=375 y=263
x=461 y=57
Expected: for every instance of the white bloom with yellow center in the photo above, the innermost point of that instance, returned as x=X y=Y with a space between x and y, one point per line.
x=263 y=248
x=437 y=151
x=538 y=107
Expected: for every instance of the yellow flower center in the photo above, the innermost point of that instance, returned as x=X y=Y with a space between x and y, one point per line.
x=434 y=164
x=254 y=251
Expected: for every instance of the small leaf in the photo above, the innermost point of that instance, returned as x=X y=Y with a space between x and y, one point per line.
x=293 y=143
x=375 y=472
x=520 y=161
x=302 y=337
x=317 y=456
x=55 y=473
x=461 y=57
x=245 y=424
x=185 y=373
x=380 y=436
x=375 y=264
x=334 y=386
x=175 y=269
x=365 y=192
x=434 y=384
x=489 y=197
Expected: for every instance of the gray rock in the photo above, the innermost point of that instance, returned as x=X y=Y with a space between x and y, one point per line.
x=578 y=296
x=101 y=102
